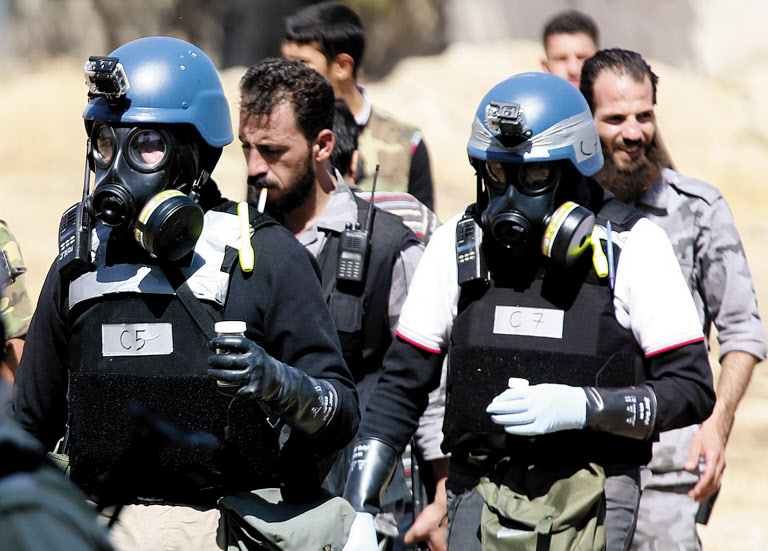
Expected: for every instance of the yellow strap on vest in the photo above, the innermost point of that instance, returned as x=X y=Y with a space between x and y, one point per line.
x=245 y=254
x=599 y=259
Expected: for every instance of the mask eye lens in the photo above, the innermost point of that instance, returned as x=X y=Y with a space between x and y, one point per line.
x=495 y=171
x=147 y=150
x=538 y=177
x=104 y=147
x=495 y=176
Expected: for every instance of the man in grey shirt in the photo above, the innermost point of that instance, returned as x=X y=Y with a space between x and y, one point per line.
x=286 y=131
x=688 y=463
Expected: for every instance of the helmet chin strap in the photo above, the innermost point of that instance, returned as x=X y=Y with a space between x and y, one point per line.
x=189 y=168
x=482 y=199
x=198 y=184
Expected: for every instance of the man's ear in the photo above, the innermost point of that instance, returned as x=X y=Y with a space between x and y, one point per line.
x=342 y=67
x=323 y=146
x=545 y=65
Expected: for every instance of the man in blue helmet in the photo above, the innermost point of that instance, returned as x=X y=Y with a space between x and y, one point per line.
x=571 y=336
x=124 y=369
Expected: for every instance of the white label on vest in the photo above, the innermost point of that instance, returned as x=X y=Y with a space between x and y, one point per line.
x=529 y=322
x=136 y=339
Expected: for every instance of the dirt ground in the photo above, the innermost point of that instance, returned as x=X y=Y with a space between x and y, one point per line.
x=711 y=127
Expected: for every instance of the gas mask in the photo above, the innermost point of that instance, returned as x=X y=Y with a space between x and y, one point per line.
x=139 y=171
x=523 y=213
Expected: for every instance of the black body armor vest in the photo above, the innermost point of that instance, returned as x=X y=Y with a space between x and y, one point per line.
x=546 y=323
x=153 y=425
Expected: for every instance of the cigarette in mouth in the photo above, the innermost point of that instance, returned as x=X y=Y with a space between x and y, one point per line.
x=262 y=200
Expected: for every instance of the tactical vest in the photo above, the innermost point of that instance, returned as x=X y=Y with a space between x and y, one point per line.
x=390 y=143
x=546 y=323
x=361 y=312
x=138 y=378
x=361 y=315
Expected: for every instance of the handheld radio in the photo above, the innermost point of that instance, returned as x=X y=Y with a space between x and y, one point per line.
x=355 y=246
x=75 y=233
x=469 y=257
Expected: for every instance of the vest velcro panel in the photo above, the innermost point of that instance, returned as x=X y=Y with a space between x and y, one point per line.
x=155 y=442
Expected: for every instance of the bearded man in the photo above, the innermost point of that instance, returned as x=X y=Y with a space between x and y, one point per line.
x=286 y=131
x=688 y=463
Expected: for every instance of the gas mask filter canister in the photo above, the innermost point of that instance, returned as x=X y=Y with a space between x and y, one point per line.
x=169 y=225
x=567 y=233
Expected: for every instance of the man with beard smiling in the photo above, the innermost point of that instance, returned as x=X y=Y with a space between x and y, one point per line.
x=621 y=91
x=286 y=121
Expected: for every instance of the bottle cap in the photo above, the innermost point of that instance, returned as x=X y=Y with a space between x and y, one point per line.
x=229 y=327
x=517 y=382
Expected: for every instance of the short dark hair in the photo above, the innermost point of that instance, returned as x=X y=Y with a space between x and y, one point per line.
x=621 y=62
x=571 y=22
x=338 y=29
x=346 y=131
x=276 y=80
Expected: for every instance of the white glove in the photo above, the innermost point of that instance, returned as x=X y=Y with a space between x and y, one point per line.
x=540 y=409
x=362 y=534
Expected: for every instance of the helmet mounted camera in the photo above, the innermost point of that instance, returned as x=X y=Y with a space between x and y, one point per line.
x=507 y=121
x=105 y=77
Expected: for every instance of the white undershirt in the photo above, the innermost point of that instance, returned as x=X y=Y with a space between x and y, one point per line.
x=651 y=297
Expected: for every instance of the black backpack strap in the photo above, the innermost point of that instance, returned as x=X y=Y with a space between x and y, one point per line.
x=622 y=216
x=199 y=314
x=330 y=254
x=202 y=317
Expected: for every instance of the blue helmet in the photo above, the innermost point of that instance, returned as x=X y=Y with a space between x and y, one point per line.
x=162 y=80
x=535 y=117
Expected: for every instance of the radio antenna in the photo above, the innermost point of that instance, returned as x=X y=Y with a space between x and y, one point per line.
x=369 y=217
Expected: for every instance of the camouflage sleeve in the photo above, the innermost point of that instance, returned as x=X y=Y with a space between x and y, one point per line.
x=15 y=302
x=726 y=284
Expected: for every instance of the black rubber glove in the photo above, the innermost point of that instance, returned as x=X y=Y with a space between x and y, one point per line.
x=303 y=402
x=372 y=467
x=626 y=411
